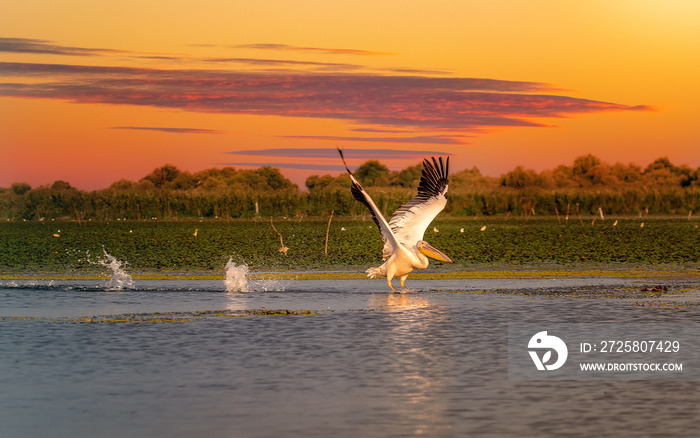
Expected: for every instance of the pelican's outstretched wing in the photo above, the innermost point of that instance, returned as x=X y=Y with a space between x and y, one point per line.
x=411 y=220
x=390 y=242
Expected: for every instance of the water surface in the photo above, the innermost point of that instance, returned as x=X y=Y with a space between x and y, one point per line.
x=366 y=363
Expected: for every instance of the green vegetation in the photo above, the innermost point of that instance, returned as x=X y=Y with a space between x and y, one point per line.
x=172 y=246
x=168 y=193
x=175 y=221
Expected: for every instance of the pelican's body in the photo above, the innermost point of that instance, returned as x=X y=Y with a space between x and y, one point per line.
x=404 y=247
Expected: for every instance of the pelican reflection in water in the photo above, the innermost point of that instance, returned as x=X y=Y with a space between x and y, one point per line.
x=404 y=247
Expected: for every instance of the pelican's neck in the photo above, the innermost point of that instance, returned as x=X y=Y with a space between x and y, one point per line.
x=423 y=260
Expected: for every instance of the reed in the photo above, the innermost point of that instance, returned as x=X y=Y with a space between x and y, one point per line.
x=283 y=249
x=328 y=230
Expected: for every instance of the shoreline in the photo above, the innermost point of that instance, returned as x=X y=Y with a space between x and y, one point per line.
x=691 y=272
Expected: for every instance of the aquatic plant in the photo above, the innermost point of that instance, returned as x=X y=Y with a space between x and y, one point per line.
x=169 y=246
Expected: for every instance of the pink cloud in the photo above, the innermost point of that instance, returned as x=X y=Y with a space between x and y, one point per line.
x=419 y=102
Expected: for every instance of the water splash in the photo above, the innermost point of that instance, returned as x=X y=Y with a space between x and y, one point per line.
x=120 y=279
x=237 y=280
x=236 y=277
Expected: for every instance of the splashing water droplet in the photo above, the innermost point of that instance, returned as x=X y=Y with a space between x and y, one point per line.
x=120 y=279
x=236 y=277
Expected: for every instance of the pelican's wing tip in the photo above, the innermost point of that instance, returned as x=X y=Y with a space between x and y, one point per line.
x=342 y=157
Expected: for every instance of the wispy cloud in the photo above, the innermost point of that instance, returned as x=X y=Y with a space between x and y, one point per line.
x=424 y=139
x=170 y=130
x=383 y=131
x=284 y=63
x=324 y=167
x=326 y=51
x=44 y=47
x=333 y=153
x=422 y=103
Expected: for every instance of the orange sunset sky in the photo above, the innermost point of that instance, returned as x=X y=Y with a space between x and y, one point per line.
x=95 y=91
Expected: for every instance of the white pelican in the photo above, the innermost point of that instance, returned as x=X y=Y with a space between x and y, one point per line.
x=404 y=247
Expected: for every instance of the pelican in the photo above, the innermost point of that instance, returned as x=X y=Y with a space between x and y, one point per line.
x=404 y=247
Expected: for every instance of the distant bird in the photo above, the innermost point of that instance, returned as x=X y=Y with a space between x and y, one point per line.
x=404 y=247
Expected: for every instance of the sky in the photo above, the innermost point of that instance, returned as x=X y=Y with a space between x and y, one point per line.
x=94 y=92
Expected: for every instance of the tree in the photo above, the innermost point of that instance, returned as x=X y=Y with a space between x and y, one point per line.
x=317 y=183
x=519 y=178
x=60 y=185
x=626 y=174
x=213 y=183
x=162 y=175
x=226 y=174
x=694 y=179
x=563 y=176
x=471 y=180
x=274 y=178
x=123 y=185
x=20 y=188
x=146 y=185
x=588 y=169
x=183 y=181
x=373 y=173
x=584 y=164
x=660 y=164
x=408 y=177
x=663 y=173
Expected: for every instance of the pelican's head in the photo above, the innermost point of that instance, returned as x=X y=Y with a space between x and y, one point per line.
x=431 y=252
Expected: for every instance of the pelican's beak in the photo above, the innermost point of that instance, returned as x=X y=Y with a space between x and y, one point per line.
x=434 y=253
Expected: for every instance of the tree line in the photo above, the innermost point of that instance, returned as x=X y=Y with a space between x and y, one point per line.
x=170 y=193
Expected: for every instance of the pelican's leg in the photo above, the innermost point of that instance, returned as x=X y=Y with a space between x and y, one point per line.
x=402 y=285
x=388 y=281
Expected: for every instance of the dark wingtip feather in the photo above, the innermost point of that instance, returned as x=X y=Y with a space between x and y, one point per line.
x=433 y=183
x=435 y=177
x=340 y=151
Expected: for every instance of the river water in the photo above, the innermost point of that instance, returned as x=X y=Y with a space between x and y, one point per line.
x=366 y=363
